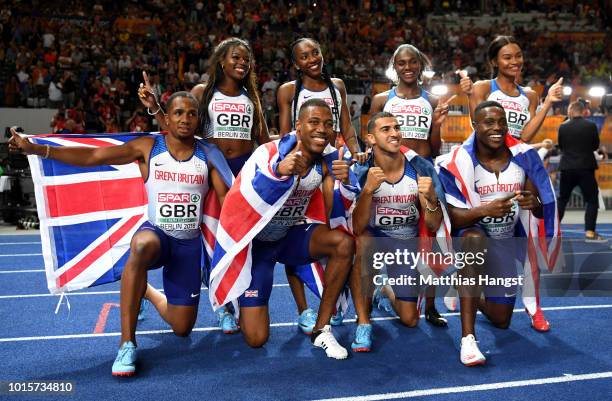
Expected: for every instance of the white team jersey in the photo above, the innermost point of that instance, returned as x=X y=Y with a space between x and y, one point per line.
x=230 y=117
x=414 y=116
x=394 y=211
x=511 y=179
x=306 y=94
x=293 y=211
x=176 y=190
x=516 y=108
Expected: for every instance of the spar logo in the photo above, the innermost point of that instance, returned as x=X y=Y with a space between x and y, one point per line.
x=407 y=109
x=512 y=106
x=226 y=107
x=182 y=197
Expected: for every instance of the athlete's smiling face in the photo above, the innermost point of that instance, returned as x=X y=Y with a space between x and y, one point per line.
x=182 y=117
x=509 y=60
x=308 y=58
x=386 y=136
x=407 y=66
x=315 y=127
x=491 y=127
x=237 y=62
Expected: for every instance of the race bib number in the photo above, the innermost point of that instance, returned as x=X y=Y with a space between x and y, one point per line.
x=292 y=212
x=501 y=227
x=388 y=218
x=233 y=121
x=178 y=211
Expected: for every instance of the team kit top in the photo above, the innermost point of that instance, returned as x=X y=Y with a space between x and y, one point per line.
x=326 y=96
x=414 y=116
x=516 y=108
x=394 y=211
x=293 y=211
x=491 y=187
x=176 y=190
x=231 y=117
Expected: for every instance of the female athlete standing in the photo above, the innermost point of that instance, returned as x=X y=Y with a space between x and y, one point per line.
x=313 y=83
x=506 y=62
x=420 y=116
x=230 y=113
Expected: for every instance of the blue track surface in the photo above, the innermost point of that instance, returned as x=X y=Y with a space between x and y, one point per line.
x=211 y=366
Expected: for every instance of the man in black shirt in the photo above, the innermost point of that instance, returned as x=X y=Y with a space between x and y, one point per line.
x=578 y=139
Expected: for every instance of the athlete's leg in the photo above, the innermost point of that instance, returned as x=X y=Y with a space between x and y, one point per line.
x=472 y=240
x=360 y=282
x=144 y=251
x=339 y=248
x=498 y=310
x=254 y=316
x=297 y=289
x=181 y=318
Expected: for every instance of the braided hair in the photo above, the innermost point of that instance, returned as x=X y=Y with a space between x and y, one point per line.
x=216 y=75
x=299 y=85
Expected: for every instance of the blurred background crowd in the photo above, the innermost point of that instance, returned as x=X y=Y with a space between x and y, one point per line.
x=85 y=58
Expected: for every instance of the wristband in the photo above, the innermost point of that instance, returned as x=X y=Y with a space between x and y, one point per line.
x=430 y=210
x=46 y=156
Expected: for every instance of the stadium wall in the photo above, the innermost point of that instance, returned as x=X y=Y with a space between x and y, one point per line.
x=33 y=121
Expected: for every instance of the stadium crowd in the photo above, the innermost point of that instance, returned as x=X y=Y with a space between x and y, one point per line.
x=87 y=61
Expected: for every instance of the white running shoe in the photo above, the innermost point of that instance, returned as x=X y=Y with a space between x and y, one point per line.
x=470 y=354
x=326 y=340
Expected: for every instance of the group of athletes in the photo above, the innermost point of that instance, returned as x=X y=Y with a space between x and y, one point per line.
x=395 y=176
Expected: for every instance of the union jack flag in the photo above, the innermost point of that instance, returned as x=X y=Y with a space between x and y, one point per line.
x=87 y=214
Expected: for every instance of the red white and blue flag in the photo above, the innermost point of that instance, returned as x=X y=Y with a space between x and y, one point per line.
x=255 y=197
x=88 y=215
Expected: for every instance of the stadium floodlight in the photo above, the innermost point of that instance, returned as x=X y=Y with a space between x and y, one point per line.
x=597 y=91
x=567 y=90
x=429 y=74
x=439 y=90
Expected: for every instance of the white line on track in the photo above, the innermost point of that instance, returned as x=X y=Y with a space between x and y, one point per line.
x=19 y=243
x=286 y=324
x=21 y=271
x=20 y=254
x=17 y=296
x=477 y=387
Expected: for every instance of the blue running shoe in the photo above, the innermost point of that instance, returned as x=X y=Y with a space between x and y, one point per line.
x=363 y=338
x=227 y=322
x=125 y=363
x=381 y=301
x=144 y=305
x=337 y=319
x=307 y=320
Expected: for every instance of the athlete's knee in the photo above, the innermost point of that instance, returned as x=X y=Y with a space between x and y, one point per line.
x=501 y=324
x=473 y=234
x=182 y=329
x=143 y=245
x=256 y=339
x=409 y=320
x=344 y=245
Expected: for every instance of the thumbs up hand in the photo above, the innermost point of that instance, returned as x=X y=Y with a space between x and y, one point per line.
x=294 y=163
x=465 y=83
x=555 y=92
x=340 y=167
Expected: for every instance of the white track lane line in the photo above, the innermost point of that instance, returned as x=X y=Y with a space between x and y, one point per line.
x=477 y=387
x=69 y=294
x=20 y=254
x=19 y=243
x=288 y=324
x=21 y=271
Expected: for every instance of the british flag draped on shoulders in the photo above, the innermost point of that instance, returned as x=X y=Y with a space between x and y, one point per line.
x=88 y=215
x=255 y=197
x=543 y=235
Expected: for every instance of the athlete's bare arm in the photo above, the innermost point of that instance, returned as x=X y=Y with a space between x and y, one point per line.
x=217 y=183
x=378 y=102
x=480 y=90
x=284 y=96
x=529 y=199
x=346 y=128
x=361 y=213
x=135 y=150
x=429 y=203
x=148 y=98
